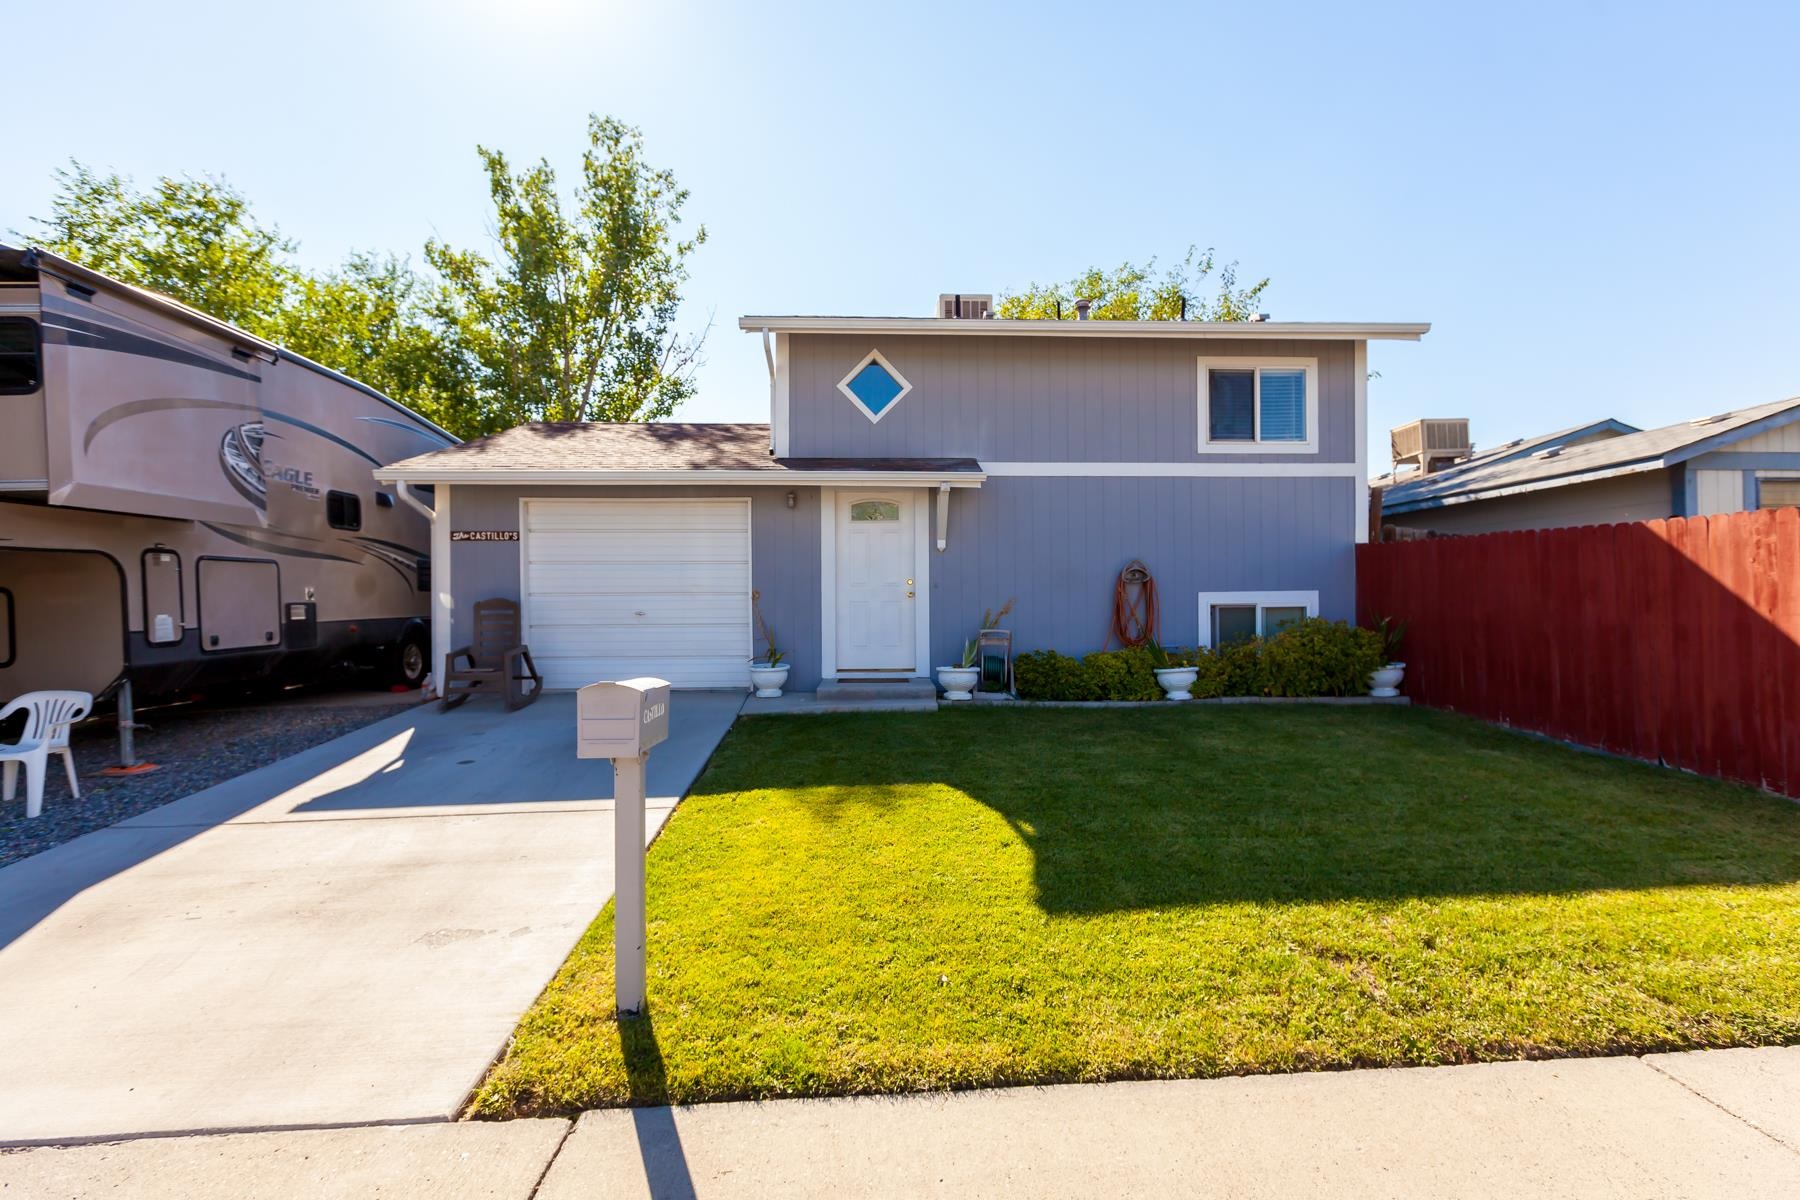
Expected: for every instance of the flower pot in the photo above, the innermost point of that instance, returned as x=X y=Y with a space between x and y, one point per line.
x=1385 y=681
x=768 y=681
x=958 y=682
x=1176 y=681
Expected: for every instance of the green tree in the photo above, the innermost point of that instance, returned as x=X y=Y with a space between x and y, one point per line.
x=373 y=319
x=193 y=239
x=1139 y=293
x=198 y=241
x=572 y=318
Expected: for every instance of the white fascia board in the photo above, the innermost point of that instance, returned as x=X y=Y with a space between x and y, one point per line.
x=1188 y=470
x=1519 y=489
x=693 y=478
x=1327 y=331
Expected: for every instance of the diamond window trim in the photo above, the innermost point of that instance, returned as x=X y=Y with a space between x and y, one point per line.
x=875 y=358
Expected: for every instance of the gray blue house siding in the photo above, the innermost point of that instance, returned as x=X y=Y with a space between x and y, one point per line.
x=1048 y=399
x=1062 y=453
x=1056 y=545
x=784 y=553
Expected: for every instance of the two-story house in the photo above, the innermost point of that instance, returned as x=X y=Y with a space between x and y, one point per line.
x=914 y=472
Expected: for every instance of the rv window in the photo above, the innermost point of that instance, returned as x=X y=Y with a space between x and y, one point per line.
x=6 y=627
x=19 y=359
x=343 y=510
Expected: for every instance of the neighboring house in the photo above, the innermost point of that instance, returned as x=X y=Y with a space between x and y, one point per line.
x=914 y=472
x=1609 y=472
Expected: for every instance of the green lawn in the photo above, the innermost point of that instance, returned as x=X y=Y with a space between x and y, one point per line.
x=893 y=902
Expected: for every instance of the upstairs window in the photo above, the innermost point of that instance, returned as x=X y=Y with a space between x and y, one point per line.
x=21 y=363
x=343 y=510
x=1265 y=405
x=874 y=385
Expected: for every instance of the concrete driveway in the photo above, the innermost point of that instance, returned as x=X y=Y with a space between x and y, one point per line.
x=346 y=936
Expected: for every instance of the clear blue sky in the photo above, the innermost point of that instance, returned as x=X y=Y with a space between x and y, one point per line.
x=1596 y=204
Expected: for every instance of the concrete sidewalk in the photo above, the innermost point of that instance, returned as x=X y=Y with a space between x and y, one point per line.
x=1710 y=1124
x=347 y=936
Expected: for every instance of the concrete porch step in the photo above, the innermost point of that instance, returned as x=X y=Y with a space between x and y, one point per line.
x=835 y=690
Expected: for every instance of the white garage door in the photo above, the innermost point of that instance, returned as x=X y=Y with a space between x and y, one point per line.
x=617 y=588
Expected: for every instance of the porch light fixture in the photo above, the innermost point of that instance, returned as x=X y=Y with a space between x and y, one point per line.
x=792 y=499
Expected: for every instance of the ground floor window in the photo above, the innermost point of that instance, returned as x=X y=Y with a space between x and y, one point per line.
x=1228 y=617
x=1778 y=491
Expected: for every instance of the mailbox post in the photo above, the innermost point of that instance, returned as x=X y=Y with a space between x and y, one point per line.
x=622 y=721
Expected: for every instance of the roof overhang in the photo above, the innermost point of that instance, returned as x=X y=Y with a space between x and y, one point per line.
x=1318 y=331
x=768 y=478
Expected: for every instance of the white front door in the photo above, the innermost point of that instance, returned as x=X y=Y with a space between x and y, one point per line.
x=875 y=594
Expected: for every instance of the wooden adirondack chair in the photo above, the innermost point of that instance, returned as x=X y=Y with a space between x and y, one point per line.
x=497 y=656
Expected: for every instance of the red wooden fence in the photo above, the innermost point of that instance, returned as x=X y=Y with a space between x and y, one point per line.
x=1674 y=641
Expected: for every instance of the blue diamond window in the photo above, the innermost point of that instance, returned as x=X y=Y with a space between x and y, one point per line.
x=875 y=386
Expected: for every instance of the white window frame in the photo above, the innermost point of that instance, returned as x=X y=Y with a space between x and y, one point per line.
x=874 y=356
x=1262 y=600
x=1256 y=445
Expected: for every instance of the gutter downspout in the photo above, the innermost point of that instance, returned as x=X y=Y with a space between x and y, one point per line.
x=943 y=517
x=769 y=355
x=443 y=603
x=410 y=498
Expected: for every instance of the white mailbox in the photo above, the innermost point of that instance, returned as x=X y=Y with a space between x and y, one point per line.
x=621 y=720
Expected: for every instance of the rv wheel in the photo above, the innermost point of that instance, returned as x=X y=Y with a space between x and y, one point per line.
x=409 y=661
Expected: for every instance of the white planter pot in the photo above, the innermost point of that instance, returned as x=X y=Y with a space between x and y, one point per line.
x=958 y=682
x=768 y=681
x=1176 y=681
x=1385 y=681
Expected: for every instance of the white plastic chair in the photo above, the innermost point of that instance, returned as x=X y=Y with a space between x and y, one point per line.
x=49 y=716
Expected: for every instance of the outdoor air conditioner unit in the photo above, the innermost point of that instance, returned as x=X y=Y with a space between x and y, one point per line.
x=1431 y=443
x=965 y=306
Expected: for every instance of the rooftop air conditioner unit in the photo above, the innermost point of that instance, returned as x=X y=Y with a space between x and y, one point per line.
x=1431 y=443
x=965 y=306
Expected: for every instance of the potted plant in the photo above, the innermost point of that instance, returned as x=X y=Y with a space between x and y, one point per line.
x=959 y=681
x=1174 y=678
x=1385 y=681
x=768 y=675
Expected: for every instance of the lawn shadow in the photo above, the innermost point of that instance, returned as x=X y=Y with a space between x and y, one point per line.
x=659 y=1141
x=1169 y=807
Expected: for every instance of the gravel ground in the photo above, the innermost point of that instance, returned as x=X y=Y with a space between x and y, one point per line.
x=194 y=746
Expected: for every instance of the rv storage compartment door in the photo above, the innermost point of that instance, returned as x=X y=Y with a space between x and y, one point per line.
x=240 y=603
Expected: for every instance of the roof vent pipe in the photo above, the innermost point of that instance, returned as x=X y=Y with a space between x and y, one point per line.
x=1260 y=318
x=1081 y=309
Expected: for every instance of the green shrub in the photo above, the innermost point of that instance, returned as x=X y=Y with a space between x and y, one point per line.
x=1047 y=675
x=1310 y=658
x=1123 y=674
x=1316 y=657
x=1240 y=668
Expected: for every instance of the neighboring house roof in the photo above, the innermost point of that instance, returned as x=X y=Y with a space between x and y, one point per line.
x=1512 y=470
x=1519 y=448
x=662 y=452
x=1327 y=331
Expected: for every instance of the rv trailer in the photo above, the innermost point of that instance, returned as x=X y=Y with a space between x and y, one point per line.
x=183 y=504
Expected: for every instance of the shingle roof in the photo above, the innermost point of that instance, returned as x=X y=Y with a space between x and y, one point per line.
x=573 y=446
x=1646 y=450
